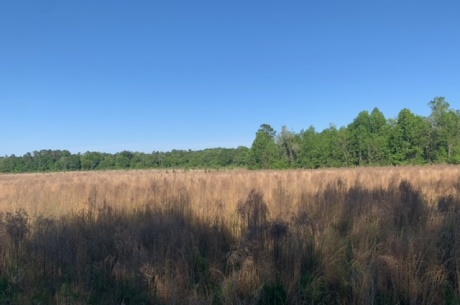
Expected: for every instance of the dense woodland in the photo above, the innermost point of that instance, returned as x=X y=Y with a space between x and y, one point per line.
x=371 y=139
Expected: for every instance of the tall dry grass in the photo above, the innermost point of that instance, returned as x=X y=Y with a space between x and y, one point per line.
x=345 y=236
x=211 y=193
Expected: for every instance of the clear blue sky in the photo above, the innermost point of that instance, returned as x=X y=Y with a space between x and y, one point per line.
x=156 y=75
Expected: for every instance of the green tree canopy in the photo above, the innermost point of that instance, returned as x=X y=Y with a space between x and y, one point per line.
x=264 y=151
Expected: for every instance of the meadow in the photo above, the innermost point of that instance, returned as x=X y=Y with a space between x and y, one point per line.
x=377 y=235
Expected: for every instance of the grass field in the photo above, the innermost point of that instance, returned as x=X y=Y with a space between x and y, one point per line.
x=55 y=194
x=335 y=236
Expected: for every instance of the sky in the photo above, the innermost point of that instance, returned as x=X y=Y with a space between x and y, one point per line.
x=157 y=75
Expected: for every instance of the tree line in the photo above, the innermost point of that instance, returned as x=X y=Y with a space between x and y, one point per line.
x=63 y=160
x=371 y=139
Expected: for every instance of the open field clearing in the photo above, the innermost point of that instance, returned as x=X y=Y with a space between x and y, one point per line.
x=336 y=236
x=60 y=193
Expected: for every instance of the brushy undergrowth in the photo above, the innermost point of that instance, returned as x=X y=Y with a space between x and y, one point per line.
x=342 y=245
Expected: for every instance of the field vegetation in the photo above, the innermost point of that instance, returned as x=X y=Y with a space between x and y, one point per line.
x=336 y=236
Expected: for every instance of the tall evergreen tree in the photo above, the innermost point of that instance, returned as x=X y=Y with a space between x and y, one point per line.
x=264 y=151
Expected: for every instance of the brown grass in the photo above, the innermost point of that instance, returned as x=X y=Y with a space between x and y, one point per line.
x=336 y=236
x=211 y=193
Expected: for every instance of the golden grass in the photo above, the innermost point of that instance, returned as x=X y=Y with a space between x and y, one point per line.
x=335 y=236
x=211 y=193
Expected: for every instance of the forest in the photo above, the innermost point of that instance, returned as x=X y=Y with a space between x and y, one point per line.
x=370 y=139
